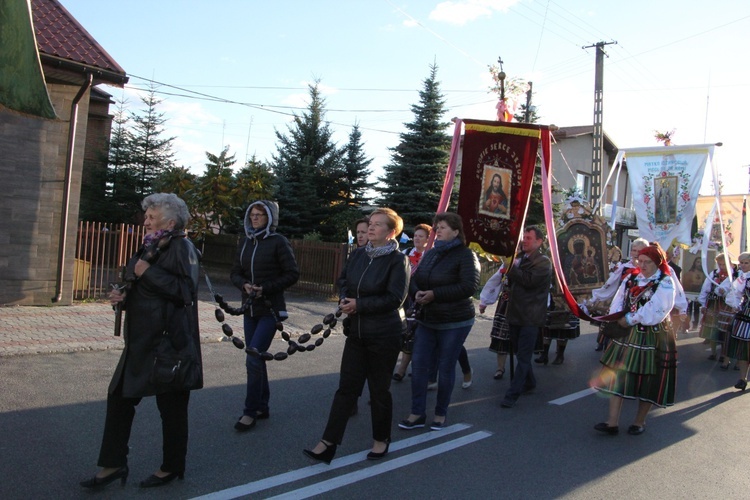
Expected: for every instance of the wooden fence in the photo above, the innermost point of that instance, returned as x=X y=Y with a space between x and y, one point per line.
x=103 y=249
x=320 y=263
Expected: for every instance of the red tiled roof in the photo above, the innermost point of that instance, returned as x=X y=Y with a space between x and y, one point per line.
x=59 y=34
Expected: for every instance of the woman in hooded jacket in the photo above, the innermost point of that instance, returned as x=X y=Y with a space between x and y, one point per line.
x=263 y=269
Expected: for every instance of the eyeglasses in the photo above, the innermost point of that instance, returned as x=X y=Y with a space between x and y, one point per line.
x=257 y=216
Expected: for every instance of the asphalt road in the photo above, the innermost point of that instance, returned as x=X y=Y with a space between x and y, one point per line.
x=52 y=410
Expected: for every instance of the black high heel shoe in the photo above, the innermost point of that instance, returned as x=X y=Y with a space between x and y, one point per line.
x=325 y=455
x=377 y=456
x=100 y=482
x=153 y=480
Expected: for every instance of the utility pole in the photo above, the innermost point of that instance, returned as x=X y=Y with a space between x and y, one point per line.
x=598 y=151
x=527 y=112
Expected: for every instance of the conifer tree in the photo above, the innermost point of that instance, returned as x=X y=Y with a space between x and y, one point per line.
x=354 y=184
x=413 y=181
x=123 y=201
x=308 y=167
x=151 y=153
x=212 y=195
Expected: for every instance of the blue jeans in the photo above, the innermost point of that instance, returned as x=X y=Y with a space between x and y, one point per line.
x=431 y=344
x=259 y=333
x=523 y=339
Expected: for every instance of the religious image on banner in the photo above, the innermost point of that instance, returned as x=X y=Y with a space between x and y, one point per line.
x=731 y=216
x=584 y=255
x=497 y=170
x=692 y=276
x=665 y=182
x=495 y=202
x=665 y=209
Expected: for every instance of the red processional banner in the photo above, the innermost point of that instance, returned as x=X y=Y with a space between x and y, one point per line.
x=497 y=170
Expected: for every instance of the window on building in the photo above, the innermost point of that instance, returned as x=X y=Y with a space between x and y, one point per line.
x=583 y=182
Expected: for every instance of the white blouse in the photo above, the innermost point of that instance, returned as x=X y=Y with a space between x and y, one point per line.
x=680 y=300
x=656 y=309
x=609 y=288
x=720 y=290
x=734 y=297
x=492 y=288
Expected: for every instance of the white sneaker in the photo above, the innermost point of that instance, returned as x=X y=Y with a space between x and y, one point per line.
x=432 y=386
x=467 y=384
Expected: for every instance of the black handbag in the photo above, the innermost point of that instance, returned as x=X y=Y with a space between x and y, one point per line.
x=613 y=330
x=175 y=370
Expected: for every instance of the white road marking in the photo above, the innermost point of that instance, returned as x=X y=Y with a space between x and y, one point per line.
x=305 y=472
x=353 y=477
x=572 y=397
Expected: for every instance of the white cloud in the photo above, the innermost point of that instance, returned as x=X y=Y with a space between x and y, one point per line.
x=464 y=11
x=299 y=100
x=410 y=23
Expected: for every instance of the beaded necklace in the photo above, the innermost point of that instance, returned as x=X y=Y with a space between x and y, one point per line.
x=640 y=294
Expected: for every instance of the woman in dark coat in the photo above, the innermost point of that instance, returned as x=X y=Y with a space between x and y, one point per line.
x=373 y=289
x=160 y=302
x=264 y=268
x=442 y=285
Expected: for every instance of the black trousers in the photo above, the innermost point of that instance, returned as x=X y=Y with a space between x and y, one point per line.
x=370 y=360
x=694 y=311
x=173 y=407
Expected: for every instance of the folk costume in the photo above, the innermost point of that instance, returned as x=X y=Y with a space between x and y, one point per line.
x=601 y=298
x=643 y=364
x=496 y=290
x=717 y=318
x=739 y=298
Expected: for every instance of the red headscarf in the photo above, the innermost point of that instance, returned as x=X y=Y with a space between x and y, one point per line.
x=654 y=252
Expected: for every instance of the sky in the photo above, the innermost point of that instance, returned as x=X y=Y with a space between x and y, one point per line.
x=233 y=72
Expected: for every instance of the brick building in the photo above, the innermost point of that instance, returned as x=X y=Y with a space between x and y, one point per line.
x=41 y=162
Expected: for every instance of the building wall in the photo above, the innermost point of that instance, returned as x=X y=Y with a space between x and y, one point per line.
x=577 y=152
x=32 y=169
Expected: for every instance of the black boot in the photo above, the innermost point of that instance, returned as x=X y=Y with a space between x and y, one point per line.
x=544 y=357
x=560 y=357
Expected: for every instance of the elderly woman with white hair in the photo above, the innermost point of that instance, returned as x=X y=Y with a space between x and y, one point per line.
x=161 y=320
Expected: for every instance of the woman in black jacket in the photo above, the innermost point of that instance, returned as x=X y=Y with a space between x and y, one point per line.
x=374 y=285
x=160 y=304
x=264 y=268
x=442 y=285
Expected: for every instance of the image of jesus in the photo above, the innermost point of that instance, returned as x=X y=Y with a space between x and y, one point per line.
x=495 y=200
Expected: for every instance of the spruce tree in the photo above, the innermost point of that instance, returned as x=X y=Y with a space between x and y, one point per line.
x=308 y=167
x=354 y=184
x=151 y=152
x=212 y=196
x=124 y=201
x=413 y=181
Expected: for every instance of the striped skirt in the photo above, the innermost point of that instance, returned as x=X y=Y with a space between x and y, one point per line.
x=499 y=335
x=712 y=328
x=739 y=341
x=642 y=365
